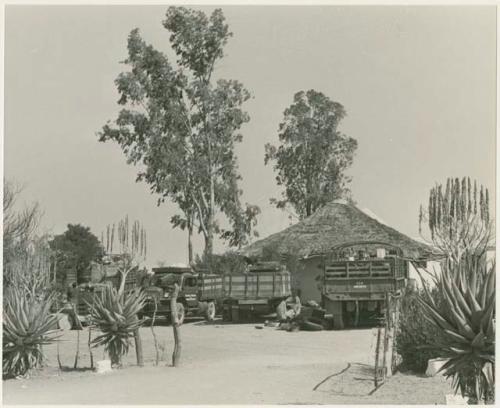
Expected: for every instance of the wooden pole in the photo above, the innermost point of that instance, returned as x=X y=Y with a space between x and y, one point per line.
x=155 y=339
x=176 y=355
x=377 y=358
x=58 y=355
x=138 y=348
x=137 y=335
x=77 y=349
x=90 y=348
x=138 y=344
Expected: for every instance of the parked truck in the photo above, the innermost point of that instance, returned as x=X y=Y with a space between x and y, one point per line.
x=357 y=279
x=199 y=293
x=256 y=292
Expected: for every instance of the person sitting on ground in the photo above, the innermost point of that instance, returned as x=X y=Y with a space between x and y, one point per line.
x=293 y=305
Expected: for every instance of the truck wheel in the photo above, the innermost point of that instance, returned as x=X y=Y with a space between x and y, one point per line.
x=210 y=312
x=226 y=313
x=310 y=326
x=338 y=322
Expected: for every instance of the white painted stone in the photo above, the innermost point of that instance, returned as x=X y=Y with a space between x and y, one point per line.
x=103 y=366
x=434 y=365
x=452 y=399
x=63 y=322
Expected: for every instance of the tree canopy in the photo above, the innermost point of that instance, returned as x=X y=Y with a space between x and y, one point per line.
x=76 y=248
x=313 y=156
x=180 y=127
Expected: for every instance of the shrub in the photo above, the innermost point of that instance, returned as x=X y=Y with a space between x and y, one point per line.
x=228 y=263
x=415 y=334
x=27 y=326
x=115 y=315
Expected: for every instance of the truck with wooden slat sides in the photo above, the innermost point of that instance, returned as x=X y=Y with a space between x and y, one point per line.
x=357 y=278
x=199 y=293
x=257 y=292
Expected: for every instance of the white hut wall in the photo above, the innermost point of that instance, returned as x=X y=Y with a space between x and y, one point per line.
x=417 y=274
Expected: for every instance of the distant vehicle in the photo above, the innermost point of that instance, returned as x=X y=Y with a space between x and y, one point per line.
x=199 y=293
x=257 y=292
x=356 y=280
x=79 y=297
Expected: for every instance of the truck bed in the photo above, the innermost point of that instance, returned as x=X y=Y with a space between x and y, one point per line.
x=261 y=285
x=366 y=279
x=211 y=287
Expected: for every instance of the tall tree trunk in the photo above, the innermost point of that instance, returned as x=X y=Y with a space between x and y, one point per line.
x=211 y=211
x=190 y=242
x=176 y=355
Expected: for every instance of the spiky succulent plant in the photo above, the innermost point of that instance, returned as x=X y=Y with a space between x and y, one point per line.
x=115 y=315
x=27 y=326
x=466 y=319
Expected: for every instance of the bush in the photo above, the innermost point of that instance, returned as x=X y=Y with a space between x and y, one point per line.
x=115 y=315
x=415 y=334
x=27 y=326
x=228 y=263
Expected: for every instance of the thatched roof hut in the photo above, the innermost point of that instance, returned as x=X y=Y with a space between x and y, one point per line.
x=334 y=224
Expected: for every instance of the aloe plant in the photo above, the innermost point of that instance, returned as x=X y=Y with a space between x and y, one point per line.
x=466 y=318
x=115 y=315
x=27 y=326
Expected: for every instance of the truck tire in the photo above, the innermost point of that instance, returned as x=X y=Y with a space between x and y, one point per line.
x=226 y=313
x=210 y=312
x=307 y=325
x=338 y=322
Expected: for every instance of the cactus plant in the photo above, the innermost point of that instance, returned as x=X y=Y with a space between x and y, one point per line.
x=458 y=219
x=466 y=318
x=115 y=314
x=27 y=326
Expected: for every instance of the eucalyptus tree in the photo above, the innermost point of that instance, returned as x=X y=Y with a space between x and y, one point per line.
x=313 y=155
x=180 y=126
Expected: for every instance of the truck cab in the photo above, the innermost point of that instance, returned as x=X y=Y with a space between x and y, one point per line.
x=198 y=293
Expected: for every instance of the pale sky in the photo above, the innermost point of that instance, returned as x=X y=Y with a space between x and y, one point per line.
x=418 y=84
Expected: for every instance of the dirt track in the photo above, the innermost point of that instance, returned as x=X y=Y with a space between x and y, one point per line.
x=229 y=364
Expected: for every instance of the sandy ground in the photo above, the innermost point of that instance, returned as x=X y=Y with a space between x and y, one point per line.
x=229 y=364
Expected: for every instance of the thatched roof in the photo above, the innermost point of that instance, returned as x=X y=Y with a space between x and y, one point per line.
x=334 y=224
